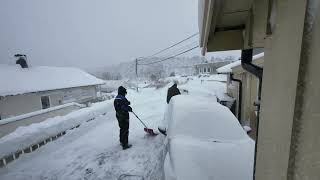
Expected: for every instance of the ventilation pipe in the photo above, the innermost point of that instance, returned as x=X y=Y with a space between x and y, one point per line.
x=22 y=60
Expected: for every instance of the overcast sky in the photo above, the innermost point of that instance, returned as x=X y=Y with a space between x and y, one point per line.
x=92 y=33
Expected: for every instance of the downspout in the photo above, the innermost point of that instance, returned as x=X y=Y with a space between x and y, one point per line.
x=240 y=94
x=246 y=63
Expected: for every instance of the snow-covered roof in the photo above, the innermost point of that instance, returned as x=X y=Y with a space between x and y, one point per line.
x=228 y=68
x=16 y=80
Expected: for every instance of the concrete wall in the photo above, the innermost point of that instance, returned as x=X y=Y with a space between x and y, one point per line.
x=25 y=103
x=304 y=160
x=277 y=141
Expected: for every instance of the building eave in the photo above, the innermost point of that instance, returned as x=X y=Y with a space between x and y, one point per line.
x=232 y=24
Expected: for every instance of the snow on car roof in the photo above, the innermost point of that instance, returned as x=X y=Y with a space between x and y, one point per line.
x=202 y=118
x=207 y=138
x=16 y=80
x=228 y=68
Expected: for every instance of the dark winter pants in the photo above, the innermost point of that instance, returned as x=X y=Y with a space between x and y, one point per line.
x=124 y=130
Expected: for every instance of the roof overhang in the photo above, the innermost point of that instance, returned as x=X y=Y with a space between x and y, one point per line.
x=232 y=24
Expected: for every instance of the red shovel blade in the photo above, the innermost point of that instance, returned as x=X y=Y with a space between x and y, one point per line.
x=150 y=131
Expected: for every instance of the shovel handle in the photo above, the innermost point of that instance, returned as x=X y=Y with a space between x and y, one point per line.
x=140 y=120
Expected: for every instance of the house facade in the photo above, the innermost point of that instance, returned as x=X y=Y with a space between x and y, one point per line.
x=36 y=88
x=287 y=141
x=209 y=68
x=242 y=83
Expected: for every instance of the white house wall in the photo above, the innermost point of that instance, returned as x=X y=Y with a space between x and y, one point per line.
x=25 y=103
x=12 y=126
x=19 y=104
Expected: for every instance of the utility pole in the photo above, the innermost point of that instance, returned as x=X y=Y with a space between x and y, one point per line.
x=137 y=73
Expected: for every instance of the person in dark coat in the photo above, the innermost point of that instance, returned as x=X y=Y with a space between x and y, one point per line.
x=172 y=91
x=122 y=107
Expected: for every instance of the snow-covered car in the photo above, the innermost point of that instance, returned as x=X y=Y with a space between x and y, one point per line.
x=205 y=141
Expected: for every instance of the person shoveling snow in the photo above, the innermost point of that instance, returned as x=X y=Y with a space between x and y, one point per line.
x=122 y=107
x=172 y=91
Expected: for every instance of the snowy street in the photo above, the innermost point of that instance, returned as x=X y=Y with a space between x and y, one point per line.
x=93 y=151
x=159 y=90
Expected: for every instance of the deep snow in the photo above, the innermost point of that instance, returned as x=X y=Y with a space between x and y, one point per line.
x=92 y=151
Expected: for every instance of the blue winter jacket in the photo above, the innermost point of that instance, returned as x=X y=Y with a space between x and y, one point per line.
x=122 y=107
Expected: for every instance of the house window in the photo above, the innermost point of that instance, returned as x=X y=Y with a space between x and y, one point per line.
x=204 y=70
x=208 y=69
x=45 y=102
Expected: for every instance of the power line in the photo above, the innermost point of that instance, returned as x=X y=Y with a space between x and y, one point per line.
x=170 y=52
x=172 y=45
x=172 y=56
x=173 y=51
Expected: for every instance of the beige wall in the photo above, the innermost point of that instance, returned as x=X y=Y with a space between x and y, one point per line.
x=25 y=103
x=281 y=73
x=249 y=96
x=305 y=144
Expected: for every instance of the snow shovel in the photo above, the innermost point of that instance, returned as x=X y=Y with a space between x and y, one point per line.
x=146 y=129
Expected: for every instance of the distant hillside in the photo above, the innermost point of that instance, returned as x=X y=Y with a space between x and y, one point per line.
x=178 y=65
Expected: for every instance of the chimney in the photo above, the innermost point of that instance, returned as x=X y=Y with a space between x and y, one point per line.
x=22 y=60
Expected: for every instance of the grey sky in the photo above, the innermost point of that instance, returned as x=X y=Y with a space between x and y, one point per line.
x=92 y=33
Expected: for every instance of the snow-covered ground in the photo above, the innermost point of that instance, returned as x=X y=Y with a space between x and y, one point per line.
x=92 y=151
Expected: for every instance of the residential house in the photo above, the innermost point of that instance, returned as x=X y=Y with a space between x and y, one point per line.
x=287 y=141
x=25 y=90
x=209 y=67
x=243 y=87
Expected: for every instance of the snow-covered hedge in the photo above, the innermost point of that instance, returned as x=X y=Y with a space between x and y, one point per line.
x=26 y=136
